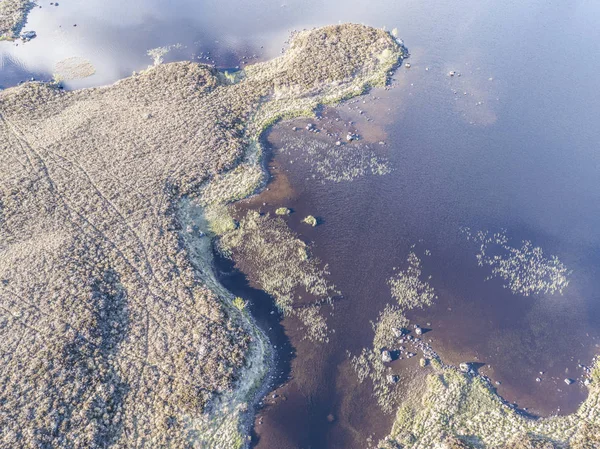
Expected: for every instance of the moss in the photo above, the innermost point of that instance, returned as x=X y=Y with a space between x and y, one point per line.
x=283 y=211
x=310 y=220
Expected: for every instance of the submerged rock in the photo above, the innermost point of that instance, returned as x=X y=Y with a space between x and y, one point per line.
x=393 y=379
x=28 y=35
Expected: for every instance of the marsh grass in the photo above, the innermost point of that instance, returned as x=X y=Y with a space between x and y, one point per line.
x=407 y=287
x=525 y=270
x=330 y=163
x=465 y=408
x=276 y=260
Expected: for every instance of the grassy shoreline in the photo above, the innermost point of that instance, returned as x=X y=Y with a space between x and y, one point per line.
x=13 y=16
x=133 y=342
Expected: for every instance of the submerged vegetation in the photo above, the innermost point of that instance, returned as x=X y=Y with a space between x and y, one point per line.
x=391 y=334
x=114 y=331
x=453 y=409
x=525 y=270
x=13 y=14
x=408 y=289
x=328 y=161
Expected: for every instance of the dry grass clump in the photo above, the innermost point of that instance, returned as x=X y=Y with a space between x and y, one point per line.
x=110 y=333
x=12 y=17
x=525 y=270
x=278 y=262
x=408 y=289
x=283 y=211
x=310 y=220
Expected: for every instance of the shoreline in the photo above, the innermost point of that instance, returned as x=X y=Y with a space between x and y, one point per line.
x=13 y=17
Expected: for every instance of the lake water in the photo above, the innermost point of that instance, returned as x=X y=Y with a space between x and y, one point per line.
x=510 y=144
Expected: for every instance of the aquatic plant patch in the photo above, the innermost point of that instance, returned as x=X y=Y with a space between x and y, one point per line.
x=280 y=263
x=525 y=270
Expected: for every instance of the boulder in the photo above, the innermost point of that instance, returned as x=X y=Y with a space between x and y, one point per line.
x=386 y=356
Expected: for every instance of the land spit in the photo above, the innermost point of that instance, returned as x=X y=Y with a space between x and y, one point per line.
x=13 y=14
x=114 y=329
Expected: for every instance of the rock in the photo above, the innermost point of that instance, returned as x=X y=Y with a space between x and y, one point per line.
x=28 y=35
x=587 y=382
x=407 y=65
x=569 y=381
x=338 y=143
x=398 y=331
x=465 y=367
x=418 y=331
x=393 y=379
x=537 y=379
x=451 y=73
x=423 y=363
x=386 y=356
x=330 y=417
x=310 y=127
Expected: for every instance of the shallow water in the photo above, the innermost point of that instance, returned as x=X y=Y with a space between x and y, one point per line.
x=512 y=143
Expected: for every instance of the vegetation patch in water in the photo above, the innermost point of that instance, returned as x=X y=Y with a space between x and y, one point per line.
x=525 y=270
x=337 y=163
x=371 y=363
x=276 y=260
x=407 y=287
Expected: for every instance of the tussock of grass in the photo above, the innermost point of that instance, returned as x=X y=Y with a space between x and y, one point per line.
x=282 y=211
x=310 y=220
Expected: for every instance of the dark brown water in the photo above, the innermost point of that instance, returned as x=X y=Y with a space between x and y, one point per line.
x=452 y=168
x=512 y=143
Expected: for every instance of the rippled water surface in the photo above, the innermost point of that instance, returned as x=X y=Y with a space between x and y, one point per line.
x=512 y=143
